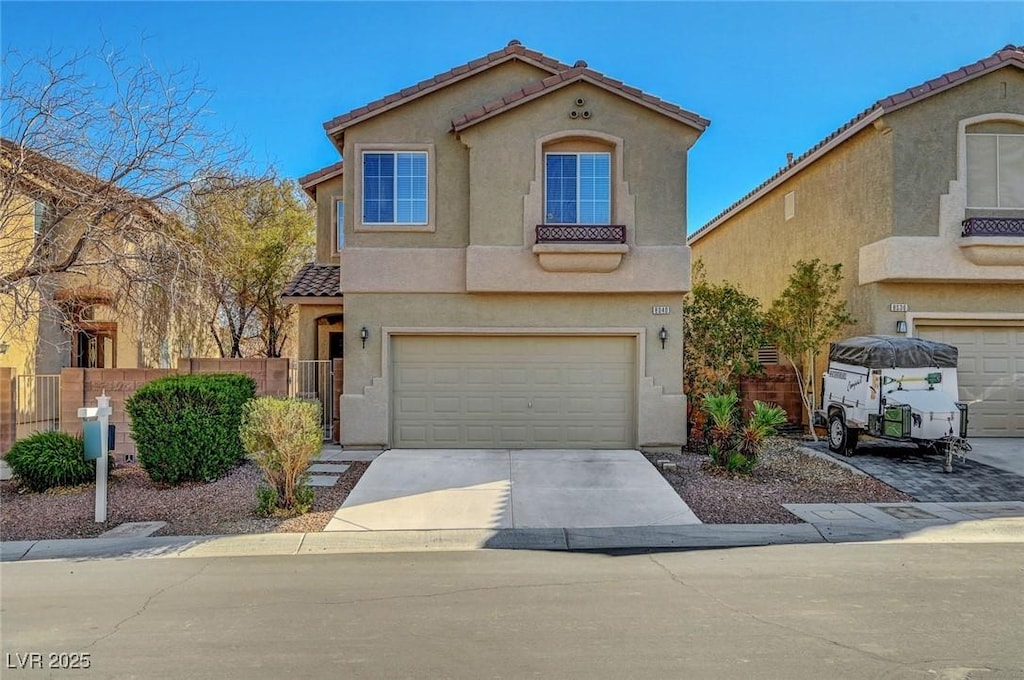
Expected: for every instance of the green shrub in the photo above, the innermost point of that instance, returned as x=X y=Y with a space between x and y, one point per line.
x=185 y=427
x=731 y=444
x=266 y=500
x=283 y=436
x=48 y=459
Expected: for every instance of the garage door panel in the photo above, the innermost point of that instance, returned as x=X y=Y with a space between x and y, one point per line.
x=513 y=392
x=991 y=375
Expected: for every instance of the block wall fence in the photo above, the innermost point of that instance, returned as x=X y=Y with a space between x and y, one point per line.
x=777 y=386
x=80 y=386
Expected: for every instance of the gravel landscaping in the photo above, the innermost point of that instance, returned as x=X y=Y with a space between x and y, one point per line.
x=225 y=506
x=785 y=475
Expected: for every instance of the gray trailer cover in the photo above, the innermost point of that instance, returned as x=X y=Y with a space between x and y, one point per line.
x=884 y=351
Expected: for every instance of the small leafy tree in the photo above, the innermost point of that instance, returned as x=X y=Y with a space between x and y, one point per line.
x=723 y=328
x=806 y=315
x=283 y=436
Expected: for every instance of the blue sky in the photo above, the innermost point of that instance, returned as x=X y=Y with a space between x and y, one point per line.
x=772 y=77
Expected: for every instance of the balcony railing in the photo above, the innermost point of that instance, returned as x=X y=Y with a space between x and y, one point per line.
x=993 y=226
x=581 y=233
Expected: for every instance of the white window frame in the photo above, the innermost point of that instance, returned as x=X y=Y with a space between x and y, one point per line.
x=339 y=224
x=358 y=225
x=394 y=153
x=967 y=178
x=40 y=212
x=577 y=154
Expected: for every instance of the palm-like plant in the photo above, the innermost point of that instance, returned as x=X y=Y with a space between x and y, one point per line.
x=734 y=448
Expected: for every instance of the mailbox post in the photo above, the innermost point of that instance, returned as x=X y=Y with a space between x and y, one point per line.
x=95 y=430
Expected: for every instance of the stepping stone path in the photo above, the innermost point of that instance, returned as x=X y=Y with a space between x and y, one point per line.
x=332 y=462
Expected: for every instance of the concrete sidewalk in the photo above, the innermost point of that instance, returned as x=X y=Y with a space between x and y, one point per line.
x=826 y=523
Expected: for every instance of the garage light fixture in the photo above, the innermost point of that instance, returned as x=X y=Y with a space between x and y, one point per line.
x=663 y=336
x=364 y=333
x=901 y=326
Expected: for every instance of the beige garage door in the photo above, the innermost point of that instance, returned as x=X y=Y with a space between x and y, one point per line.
x=991 y=376
x=513 y=392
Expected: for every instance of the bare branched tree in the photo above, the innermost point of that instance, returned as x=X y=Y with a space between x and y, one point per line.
x=98 y=154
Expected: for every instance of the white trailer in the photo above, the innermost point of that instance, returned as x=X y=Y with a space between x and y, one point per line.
x=895 y=388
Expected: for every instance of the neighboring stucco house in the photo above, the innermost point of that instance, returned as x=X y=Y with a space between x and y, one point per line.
x=316 y=288
x=65 y=319
x=921 y=198
x=513 y=239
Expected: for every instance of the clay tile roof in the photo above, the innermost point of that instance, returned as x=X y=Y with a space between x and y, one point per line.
x=514 y=50
x=309 y=182
x=1011 y=55
x=315 y=280
x=579 y=73
x=67 y=184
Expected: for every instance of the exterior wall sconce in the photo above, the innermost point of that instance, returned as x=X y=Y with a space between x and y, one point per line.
x=901 y=326
x=364 y=333
x=4 y=346
x=663 y=336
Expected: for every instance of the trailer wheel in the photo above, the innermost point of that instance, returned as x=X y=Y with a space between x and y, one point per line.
x=840 y=436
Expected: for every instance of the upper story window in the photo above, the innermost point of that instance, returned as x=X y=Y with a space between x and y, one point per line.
x=39 y=215
x=395 y=187
x=339 y=225
x=577 y=188
x=995 y=170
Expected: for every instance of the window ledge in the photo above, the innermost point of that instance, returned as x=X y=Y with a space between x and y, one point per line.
x=1007 y=251
x=580 y=257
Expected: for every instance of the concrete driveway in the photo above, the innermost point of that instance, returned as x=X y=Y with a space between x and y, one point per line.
x=1005 y=453
x=504 y=489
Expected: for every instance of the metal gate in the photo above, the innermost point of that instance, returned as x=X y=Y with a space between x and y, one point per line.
x=315 y=380
x=38 y=404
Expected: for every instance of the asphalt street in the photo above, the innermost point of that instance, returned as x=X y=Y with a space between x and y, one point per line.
x=935 y=611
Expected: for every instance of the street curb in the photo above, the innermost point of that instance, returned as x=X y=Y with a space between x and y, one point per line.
x=689 y=536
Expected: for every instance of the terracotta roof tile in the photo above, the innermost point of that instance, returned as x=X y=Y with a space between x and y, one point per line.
x=513 y=50
x=315 y=280
x=309 y=182
x=573 y=75
x=67 y=184
x=1009 y=55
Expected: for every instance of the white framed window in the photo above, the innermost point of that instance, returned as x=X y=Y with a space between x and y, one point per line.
x=39 y=215
x=995 y=170
x=395 y=188
x=577 y=188
x=339 y=224
x=789 y=207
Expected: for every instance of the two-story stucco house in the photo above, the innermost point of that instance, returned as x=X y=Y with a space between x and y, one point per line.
x=921 y=198
x=67 y=318
x=514 y=259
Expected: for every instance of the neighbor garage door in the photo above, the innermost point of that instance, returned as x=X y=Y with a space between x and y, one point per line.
x=512 y=392
x=991 y=375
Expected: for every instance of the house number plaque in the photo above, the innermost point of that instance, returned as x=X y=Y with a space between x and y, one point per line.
x=662 y=309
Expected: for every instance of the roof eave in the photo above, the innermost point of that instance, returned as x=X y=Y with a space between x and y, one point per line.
x=332 y=129
x=697 y=122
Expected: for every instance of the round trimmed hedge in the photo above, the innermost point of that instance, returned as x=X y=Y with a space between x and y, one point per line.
x=185 y=427
x=49 y=459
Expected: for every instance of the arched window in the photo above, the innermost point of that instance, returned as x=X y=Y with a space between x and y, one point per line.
x=578 y=182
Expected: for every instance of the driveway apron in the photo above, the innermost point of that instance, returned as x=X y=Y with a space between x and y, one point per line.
x=504 y=489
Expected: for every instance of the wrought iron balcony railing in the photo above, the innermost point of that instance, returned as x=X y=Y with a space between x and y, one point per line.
x=581 y=233
x=993 y=226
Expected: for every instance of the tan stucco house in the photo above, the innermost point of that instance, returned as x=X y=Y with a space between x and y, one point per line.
x=921 y=198
x=511 y=241
x=68 y=318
